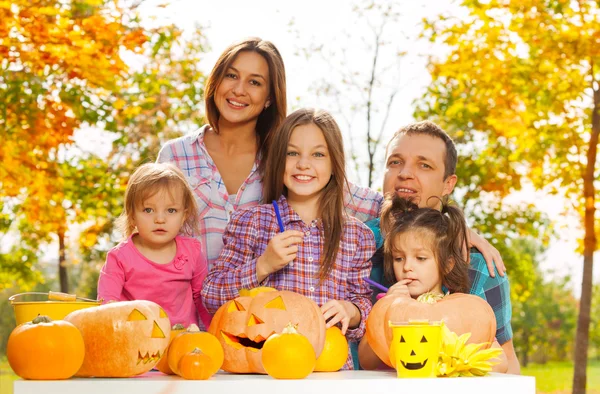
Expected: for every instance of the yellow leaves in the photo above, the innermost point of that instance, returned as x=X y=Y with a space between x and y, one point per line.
x=457 y=358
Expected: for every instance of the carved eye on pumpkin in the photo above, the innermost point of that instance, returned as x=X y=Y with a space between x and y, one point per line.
x=157 y=332
x=276 y=303
x=162 y=313
x=236 y=306
x=136 y=315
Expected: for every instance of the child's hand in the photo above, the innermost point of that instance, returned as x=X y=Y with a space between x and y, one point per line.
x=400 y=288
x=336 y=311
x=281 y=250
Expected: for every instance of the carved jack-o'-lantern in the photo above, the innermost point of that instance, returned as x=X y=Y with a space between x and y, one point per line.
x=243 y=325
x=121 y=338
x=461 y=313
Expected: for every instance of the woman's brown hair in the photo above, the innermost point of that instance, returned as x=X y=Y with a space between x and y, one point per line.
x=149 y=179
x=269 y=119
x=331 y=200
x=448 y=231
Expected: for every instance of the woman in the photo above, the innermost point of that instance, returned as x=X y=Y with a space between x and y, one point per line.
x=223 y=161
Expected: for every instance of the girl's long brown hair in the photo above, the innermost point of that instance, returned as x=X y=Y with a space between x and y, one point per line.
x=269 y=119
x=331 y=201
x=447 y=228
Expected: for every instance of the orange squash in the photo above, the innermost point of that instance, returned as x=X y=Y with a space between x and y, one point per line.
x=335 y=351
x=288 y=355
x=244 y=324
x=462 y=313
x=196 y=365
x=45 y=349
x=191 y=339
x=163 y=364
x=122 y=339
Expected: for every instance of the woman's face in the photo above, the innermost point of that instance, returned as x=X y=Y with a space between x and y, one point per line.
x=244 y=91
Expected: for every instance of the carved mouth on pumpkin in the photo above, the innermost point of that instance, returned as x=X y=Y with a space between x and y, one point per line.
x=414 y=366
x=242 y=341
x=147 y=358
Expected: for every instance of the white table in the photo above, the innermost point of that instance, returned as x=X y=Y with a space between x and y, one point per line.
x=347 y=382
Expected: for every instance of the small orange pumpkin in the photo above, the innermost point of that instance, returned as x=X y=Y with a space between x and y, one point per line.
x=335 y=351
x=45 y=349
x=163 y=364
x=191 y=339
x=288 y=355
x=196 y=365
x=122 y=339
x=462 y=313
x=243 y=324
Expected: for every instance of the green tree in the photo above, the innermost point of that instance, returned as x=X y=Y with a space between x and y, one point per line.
x=521 y=83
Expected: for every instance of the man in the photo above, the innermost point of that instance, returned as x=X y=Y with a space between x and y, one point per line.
x=420 y=165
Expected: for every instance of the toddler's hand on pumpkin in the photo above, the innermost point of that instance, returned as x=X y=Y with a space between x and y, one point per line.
x=400 y=289
x=281 y=250
x=336 y=311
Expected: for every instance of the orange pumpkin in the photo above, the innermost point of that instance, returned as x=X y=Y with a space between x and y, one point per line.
x=45 y=349
x=288 y=355
x=121 y=339
x=196 y=365
x=244 y=324
x=462 y=313
x=335 y=351
x=191 y=339
x=163 y=364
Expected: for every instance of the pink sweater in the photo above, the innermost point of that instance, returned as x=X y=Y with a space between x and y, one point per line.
x=128 y=275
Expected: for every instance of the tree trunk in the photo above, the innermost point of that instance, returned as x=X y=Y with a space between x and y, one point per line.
x=62 y=269
x=589 y=245
x=526 y=343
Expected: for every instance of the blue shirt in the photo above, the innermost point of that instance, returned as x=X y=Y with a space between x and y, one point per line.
x=496 y=290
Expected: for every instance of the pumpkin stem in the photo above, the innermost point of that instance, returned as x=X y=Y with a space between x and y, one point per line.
x=290 y=329
x=197 y=350
x=193 y=328
x=430 y=298
x=178 y=326
x=41 y=319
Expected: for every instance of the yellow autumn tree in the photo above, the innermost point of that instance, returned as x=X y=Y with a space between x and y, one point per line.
x=521 y=83
x=62 y=69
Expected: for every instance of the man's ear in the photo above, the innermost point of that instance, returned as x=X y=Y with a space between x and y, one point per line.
x=449 y=184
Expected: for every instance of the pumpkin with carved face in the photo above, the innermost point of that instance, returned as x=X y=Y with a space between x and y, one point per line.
x=121 y=339
x=461 y=313
x=243 y=325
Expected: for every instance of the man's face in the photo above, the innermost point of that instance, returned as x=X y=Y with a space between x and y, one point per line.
x=414 y=169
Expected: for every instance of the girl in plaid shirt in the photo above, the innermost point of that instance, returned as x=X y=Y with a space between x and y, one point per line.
x=323 y=253
x=425 y=251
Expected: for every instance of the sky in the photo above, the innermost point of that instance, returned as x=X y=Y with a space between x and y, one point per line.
x=332 y=23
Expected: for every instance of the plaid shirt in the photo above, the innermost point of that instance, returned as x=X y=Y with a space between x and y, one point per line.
x=496 y=291
x=215 y=205
x=246 y=239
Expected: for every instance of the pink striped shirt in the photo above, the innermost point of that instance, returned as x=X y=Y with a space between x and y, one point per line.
x=246 y=239
x=215 y=205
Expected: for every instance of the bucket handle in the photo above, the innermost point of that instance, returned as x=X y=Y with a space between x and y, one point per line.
x=52 y=296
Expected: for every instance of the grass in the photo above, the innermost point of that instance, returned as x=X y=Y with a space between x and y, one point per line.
x=6 y=377
x=557 y=377
x=554 y=377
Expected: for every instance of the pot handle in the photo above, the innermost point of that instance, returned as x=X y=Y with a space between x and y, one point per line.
x=52 y=296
